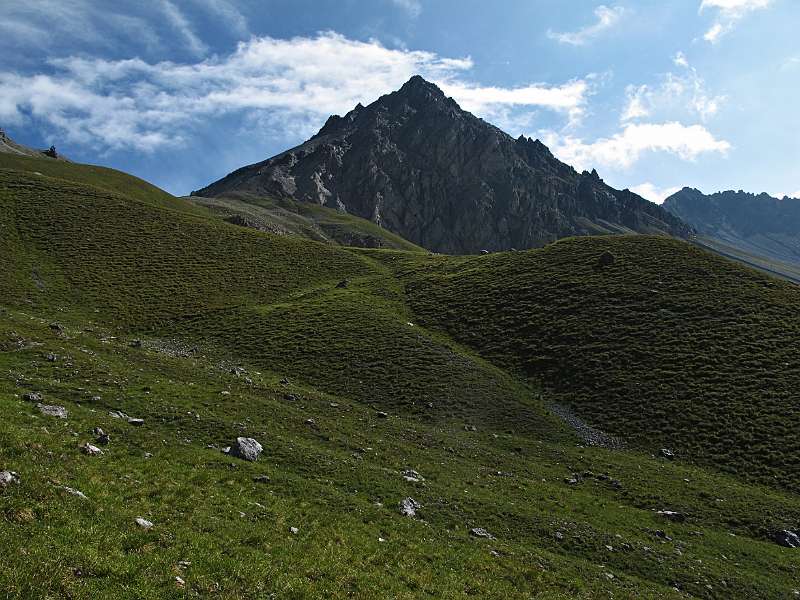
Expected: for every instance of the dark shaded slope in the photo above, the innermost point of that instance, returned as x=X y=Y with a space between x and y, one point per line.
x=670 y=346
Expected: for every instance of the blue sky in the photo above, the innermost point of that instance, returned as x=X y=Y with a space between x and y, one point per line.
x=655 y=95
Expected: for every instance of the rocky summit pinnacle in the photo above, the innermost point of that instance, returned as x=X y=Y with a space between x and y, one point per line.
x=417 y=164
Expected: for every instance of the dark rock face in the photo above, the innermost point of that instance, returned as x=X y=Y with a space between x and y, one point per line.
x=416 y=164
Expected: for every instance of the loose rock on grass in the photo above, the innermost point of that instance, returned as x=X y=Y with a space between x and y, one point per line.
x=8 y=477
x=52 y=411
x=246 y=449
x=409 y=507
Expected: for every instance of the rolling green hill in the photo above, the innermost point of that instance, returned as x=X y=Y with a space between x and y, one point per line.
x=352 y=366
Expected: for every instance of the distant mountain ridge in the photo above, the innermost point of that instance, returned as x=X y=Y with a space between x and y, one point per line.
x=756 y=224
x=417 y=164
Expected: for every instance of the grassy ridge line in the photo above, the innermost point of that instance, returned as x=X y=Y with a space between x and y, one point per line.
x=99 y=177
x=671 y=346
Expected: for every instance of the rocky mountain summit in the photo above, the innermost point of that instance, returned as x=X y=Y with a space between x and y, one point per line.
x=417 y=164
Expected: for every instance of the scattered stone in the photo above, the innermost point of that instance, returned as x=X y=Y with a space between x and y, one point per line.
x=148 y=455
x=184 y=564
x=57 y=327
x=143 y=523
x=290 y=397
x=342 y=284
x=91 y=450
x=52 y=357
x=246 y=449
x=382 y=415
x=470 y=428
x=32 y=396
x=481 y=533
x=103 y=439
x=136 y=344
x=284 y=381
x=51 y=410
x=118 y=414
x=135 y=422
x=485 y=252
x=409 y=507
x=179 y=581
x=8 y=477
x=671 y=515
x=311 y=422
x=606 y=259
x=559 y=536
x=97 y=431
x=668 y=454
x=294 y=530
x=237 y=371
x=787 y=539
x=412 y=476
x=572 y=480
x=73 y=491
x=261 y=479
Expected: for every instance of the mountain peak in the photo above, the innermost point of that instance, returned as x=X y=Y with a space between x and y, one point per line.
x=418 y=86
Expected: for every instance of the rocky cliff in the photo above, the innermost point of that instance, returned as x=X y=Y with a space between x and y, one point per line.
x=417 y=164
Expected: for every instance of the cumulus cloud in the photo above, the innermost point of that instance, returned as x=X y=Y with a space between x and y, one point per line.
x=728 y=13
x=623 y=149
x=656 y=194
x=135 y=104
x=677 y=94
x=607 y=17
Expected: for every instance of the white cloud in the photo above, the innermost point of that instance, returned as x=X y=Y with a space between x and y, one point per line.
x=180 y=24
x=653 y=193
x=413 y=7
x=623 y=149
x=296 y=82
x=729 y=12
x=488 y=101
x=680 y=60
x=606 y=19
x=676 y=95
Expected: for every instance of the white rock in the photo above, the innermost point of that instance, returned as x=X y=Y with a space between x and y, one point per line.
x=143 y=523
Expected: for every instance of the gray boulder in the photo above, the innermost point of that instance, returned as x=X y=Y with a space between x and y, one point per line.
x=53 y=411
x=787 y=539
x=8 y=477
x=481 y=533
x=409 y=507
x=32 y=396
x=246 y=449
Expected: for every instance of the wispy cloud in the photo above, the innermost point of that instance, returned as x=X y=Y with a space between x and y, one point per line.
x=626 y=147
x=293 y=84
x=654 y=193
x=678 y=94
x=728 y=13
x=412 y=7
x=180 y=24
x=607 y=17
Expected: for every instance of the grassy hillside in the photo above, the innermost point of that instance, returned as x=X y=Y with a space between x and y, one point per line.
x=305 y=219
x=669 y=346
x=330 y=339
x=104 y=178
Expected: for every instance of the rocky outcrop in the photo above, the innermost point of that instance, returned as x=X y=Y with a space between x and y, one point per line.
x=417 y=164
